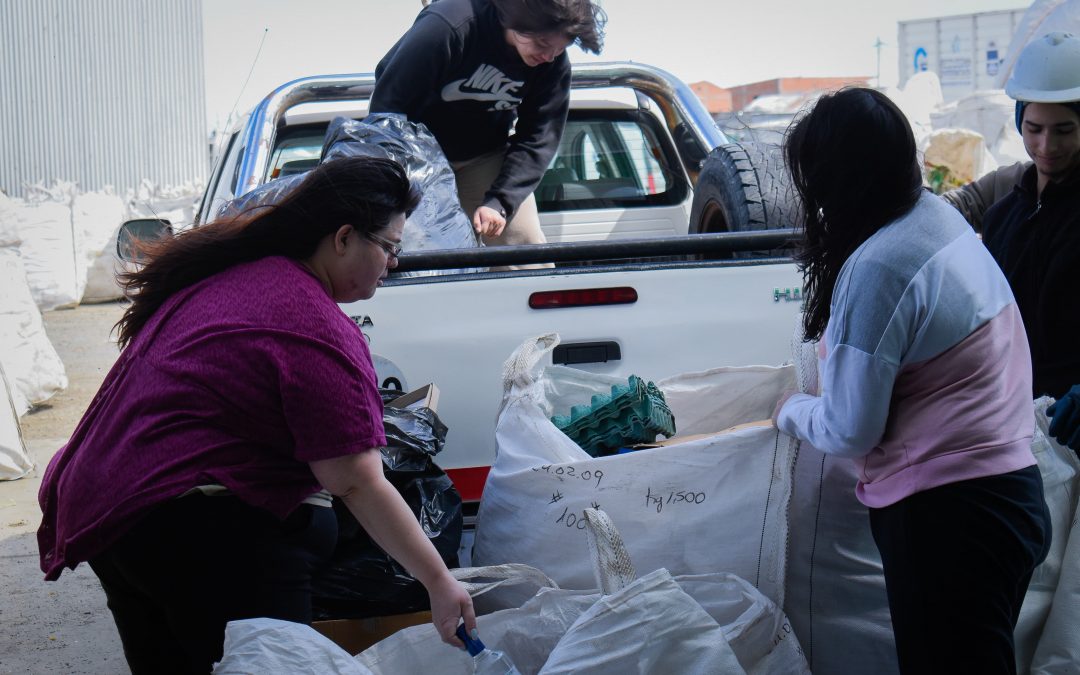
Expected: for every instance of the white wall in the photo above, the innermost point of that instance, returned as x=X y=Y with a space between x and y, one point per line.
x=101 y=92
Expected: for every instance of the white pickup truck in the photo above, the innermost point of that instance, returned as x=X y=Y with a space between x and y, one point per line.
x=638 y=286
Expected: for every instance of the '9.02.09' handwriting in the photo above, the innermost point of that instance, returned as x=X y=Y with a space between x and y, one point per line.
x=564 y=472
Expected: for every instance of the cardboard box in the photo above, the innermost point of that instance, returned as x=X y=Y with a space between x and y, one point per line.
x=356 y=635
x=424 y=397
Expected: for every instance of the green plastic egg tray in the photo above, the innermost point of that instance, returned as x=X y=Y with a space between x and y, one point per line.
x=635 y=412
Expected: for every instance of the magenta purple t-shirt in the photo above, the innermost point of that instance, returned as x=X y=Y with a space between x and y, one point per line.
x=240 y=381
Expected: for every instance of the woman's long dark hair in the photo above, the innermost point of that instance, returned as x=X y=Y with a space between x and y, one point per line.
x=853 y=163
x=365 y=192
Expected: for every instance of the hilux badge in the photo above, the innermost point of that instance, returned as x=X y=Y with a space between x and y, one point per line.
x=788 y=294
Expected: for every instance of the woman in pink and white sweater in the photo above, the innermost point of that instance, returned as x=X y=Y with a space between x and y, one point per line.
x=925 y=384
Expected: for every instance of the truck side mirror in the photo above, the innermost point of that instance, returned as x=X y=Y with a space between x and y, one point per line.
x=139 y=230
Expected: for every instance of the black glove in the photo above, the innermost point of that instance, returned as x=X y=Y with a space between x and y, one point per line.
x=1065 y=418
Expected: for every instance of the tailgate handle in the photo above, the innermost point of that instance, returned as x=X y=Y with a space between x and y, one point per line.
x=586 y=352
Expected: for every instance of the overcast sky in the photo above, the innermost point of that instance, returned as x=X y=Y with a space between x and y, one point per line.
x=722 y=41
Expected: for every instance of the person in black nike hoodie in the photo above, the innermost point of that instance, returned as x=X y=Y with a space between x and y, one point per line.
x=472 y=71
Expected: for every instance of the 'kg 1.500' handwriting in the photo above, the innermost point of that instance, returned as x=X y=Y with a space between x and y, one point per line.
x=657 y=500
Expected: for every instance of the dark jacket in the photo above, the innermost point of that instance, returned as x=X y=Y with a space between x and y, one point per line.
x=454 y=72
x=973 y=199
x=1036 y=240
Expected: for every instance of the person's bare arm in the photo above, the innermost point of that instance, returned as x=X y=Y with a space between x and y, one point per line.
x=359 y=481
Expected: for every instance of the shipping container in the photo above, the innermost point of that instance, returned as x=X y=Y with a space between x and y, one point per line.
x=966 y=51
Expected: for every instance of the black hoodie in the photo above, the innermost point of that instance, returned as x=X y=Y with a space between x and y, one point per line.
x=1036 y=240
x=454 y=72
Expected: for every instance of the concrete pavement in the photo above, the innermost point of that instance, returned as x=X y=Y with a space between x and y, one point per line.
x=62 y=626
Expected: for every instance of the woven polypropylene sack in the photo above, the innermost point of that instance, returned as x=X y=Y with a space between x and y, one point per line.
x=836 y=598
x=1046 y=634
x=34 y=370
x=14 y=462
x=715 y=504
x=699 y=623
x=650 y=626
x=274 y=646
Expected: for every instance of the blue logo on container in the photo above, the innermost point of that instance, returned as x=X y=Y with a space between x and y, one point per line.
x=921 y=59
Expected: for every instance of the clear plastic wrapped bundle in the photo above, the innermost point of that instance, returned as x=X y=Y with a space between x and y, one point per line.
x=265 y=196
x=437 y=223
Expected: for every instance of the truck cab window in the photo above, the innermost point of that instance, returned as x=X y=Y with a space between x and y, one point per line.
x=611 y=159
x=297 y=150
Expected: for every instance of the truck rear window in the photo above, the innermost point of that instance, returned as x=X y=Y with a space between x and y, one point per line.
x=606 y=159
x=297 y=150
x=611 y=159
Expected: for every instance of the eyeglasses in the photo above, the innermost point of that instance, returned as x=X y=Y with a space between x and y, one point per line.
x=393 y=250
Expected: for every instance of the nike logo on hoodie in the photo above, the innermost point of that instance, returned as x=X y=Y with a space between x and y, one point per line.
x=488 y=83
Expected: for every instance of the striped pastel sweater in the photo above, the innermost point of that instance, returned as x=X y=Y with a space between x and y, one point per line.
x=926 y=374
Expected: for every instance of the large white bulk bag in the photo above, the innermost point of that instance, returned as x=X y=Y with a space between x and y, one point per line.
x=176 y=204
x=49 y=251
x=97 y=217
x=836 y=599
x=33 y=367
x=14 y=462
x=1046 y=635
x=274 y=646
x=707 y=623
x=716 y=504
x=9 y=224
x=991 y=114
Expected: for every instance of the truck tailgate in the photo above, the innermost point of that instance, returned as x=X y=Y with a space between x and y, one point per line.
x=458 y=333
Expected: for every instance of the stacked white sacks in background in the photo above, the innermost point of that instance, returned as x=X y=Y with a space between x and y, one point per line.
x=58 y=249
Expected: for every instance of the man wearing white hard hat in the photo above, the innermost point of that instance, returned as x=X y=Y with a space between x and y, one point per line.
x=1034 y=231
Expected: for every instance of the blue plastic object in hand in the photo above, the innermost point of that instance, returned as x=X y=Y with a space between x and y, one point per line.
x=473 y=646
x=1065 y=418
x=485 y=661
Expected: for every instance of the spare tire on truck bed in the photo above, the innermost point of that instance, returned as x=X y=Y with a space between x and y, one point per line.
x=743 y=187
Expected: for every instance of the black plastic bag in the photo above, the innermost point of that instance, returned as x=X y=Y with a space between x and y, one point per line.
x=413 y=437
x=361 y=580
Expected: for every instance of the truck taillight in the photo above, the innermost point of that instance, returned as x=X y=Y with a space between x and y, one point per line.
x=583 y=297
x=469 y=481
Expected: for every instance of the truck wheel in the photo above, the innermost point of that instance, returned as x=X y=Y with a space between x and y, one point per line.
x=743 y=187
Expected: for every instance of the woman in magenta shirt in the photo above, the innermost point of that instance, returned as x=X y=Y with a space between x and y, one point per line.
x=198 y=481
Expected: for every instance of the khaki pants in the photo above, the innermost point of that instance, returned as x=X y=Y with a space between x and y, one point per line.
x=474 y=178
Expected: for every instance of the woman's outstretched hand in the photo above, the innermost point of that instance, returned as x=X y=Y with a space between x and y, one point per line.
x=450 y=605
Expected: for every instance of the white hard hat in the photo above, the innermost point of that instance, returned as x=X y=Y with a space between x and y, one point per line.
x=1047 y=70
